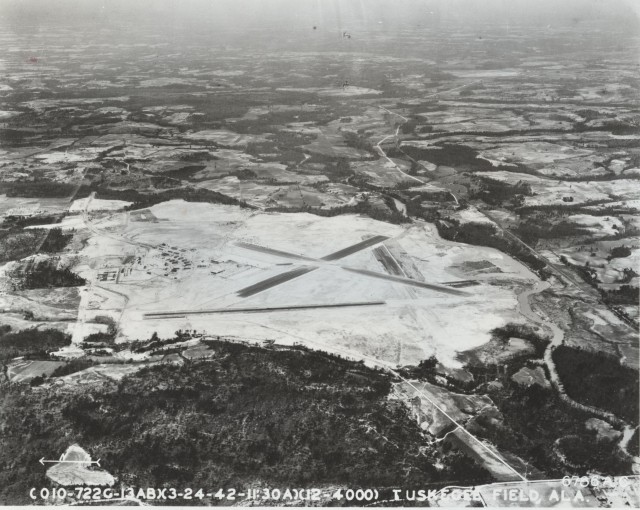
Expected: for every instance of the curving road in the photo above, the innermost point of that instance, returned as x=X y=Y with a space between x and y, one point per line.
x=524 y=307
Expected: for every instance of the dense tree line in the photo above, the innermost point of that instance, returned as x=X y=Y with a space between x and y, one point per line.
x=524 y=331
x=598 y=380
x=56 y=240
x=42 y=188
x=624 y=295
x=18 y=244
x=197 y=156
x=103 y=338
x=532 y=230
x=619 y=252
x=341 y=169
x=487 y=235
x=364 y=207
x=74 y=365
x=20 y=222
x=426 y=370
x=45 y=275
x=143 y=200
x=445 y=154
x=186 y=194
x=155 y=342
x=534 y=418
x=499 y=193
x=184 y=172
x=30 y=342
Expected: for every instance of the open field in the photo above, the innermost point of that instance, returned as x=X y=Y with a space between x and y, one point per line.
x=548 y=192
x=24 y=371
x=95 y=375
x=11 y=206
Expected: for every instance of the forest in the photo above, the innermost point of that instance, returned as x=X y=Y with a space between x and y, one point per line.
x=249 y=415
x=535 y=417
x=30 y=342
x=17 y=244
x=42 y=188
x=45 y=275
x=625 y=294
x=56 y=240
x=446 y=154
x=144 y=200
x=599 y=380
x=364 y=207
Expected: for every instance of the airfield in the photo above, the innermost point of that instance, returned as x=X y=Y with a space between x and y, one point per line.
x=493 y=139
x=346 y=284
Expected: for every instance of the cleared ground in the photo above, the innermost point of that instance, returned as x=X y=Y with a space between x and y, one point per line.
x=75 y=469
x=25 y=370
x=201 y=257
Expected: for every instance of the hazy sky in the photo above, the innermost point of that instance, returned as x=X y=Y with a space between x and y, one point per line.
x=327 y=13
x=378 y=26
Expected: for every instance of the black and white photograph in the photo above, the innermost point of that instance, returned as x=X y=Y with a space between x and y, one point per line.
x=320 y=253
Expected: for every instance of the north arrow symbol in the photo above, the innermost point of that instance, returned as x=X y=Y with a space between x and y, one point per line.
x=96 y=462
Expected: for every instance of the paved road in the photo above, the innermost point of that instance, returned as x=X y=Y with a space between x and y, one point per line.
x=524 y=304
x=383 y=154
x=480 y=444
x=525 y=309
x=568 y=277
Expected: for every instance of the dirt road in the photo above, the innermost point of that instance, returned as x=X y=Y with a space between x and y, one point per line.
x=557 y=337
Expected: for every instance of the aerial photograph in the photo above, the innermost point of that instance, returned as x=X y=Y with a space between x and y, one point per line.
x=345 y=253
